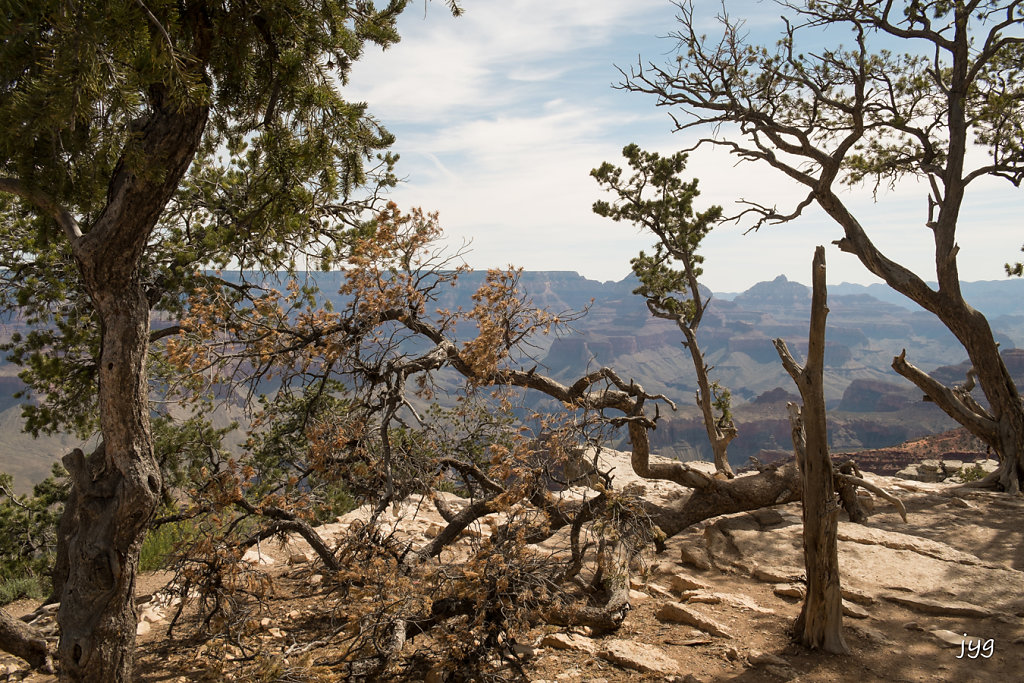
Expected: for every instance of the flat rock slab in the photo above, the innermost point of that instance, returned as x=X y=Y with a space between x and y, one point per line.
x=956 y=639
x=942 y=608
x=736 y=600
x=858 y=533
x=638 y=657
x=874 y=562
x=854 y=611
x=678 y=613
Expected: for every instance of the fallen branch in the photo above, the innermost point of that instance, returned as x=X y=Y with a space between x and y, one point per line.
x=25 y=641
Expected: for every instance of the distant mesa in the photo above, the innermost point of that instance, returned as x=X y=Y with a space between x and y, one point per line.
x=776 y=395
x=871 y=396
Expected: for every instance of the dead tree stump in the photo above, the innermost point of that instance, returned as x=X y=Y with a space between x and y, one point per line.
x=820 y=624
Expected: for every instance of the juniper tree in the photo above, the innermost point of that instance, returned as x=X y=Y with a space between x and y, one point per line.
x=920 y=86
x=139 y=143
x=657 y=199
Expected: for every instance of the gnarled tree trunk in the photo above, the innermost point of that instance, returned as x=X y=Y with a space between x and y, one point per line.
x=115 y=490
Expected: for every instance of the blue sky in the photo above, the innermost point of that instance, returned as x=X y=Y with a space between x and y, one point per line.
x=501 y=113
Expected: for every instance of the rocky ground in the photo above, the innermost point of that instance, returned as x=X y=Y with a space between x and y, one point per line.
x=939 y=597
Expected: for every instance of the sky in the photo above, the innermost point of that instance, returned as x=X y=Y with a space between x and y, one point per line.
x=500 y=115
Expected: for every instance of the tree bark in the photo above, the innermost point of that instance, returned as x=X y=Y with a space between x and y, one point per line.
x=116 y=489
x=820 y=624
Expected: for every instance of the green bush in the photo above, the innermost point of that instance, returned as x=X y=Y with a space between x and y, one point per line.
x=27 y=586
x=160 y=543
x=28 y=535
x=973 y=473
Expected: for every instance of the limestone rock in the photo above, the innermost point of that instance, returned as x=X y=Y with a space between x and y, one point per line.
x=790 y=590
x=638 y=657
x=657 y=590
x=856 y=596
x=569 y=641
x=853 y=611
x=764 y=658
x=694 y=555
x=953 y=639
x=943 y=608
x=682 y=582
x=858 y=533
x=679 y=613
x=777 y=574
x=258 y=557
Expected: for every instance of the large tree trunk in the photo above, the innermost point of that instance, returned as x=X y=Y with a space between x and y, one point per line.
x=1001 y=425
x=820 y=624
x=116 y=489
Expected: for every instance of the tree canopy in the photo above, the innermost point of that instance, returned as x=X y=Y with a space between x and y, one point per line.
x=142 y=143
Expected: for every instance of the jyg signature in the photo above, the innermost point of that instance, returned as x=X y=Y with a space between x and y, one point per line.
x=972 y=648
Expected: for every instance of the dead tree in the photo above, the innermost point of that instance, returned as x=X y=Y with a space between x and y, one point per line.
x=820 y=624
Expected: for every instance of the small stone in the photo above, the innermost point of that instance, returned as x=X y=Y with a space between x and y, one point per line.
x=569 y=641
x=142 y=628
x=912 y=626
x=298 y=558
x=766 y=658
x=315 y=580
x=777 y=574
x=790 y=590
x=953 y=639
x=732 y=653
x=276 y=632
x=853 y=611
x=682 y=582
x=657 y=590
x=638 y=596
x=640 y=657
x=257 y=557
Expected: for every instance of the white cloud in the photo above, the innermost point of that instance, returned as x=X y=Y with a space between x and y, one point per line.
x=501 y=114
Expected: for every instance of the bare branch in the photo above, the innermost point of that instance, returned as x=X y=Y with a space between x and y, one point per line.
x=977 y=420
